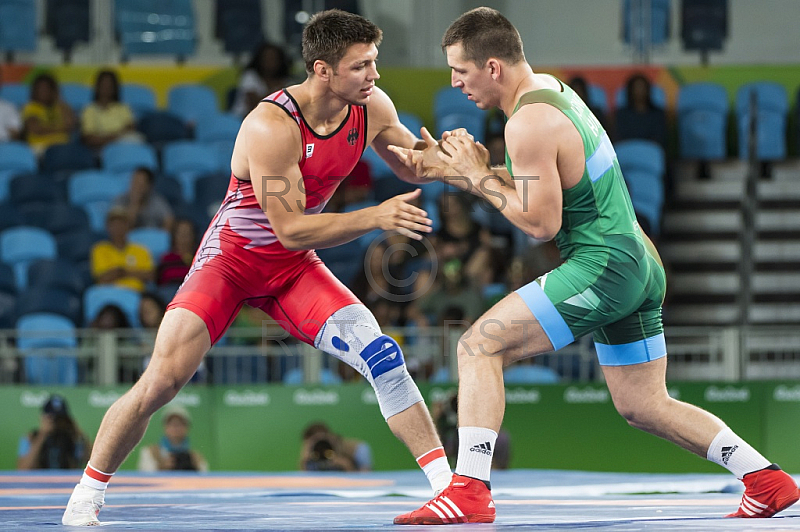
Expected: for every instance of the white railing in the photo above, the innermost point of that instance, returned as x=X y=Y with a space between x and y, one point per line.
x=267 y=354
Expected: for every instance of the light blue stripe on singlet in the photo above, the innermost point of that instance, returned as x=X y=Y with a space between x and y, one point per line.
x=637 y=352
x=601 y=160
x=543 y=310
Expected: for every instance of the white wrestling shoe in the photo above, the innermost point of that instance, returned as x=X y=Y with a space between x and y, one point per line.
x=83 y=507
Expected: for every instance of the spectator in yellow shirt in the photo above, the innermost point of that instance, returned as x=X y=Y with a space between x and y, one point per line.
x=106 y=119
x=117 y=261
x=48 y=120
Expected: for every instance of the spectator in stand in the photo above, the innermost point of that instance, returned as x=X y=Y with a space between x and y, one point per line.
x=144 y=206
x=324 y=450
x=174 y=264
x=581 y=88
x=460 y=237
x=10 y=121
x=48 y=120
x=266 y=72
x=454 y=294
x=57 y=443
x=151 y=310
x=117 y=261
x=110 y=317
x=640 y=118
x=107 y=119
x=173 y=452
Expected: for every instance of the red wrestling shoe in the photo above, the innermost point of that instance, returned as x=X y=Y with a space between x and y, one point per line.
x=767 y=492
x=465 y=500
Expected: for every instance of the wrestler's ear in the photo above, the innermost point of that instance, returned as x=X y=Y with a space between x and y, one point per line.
x=323 y=70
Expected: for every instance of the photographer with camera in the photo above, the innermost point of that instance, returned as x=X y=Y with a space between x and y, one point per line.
x=57 y=443
x=172 y=452
x=324 y=450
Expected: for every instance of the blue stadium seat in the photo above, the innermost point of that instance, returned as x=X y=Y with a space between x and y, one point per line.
x=19 y=246
x=35 y=189
x=140 y=98
x=772 y=107
x=15 y=158
x=18 y=26
x=51 y=300
x=97 y=296
x=702 y=121
x=162 y=127
x=64 y=218
x=48 y=343
x=160 y=27
x=643 y=167
x=76 y=95
x=223 y=149
x=17 y=93
x=94 y=191
x=238 y=24
x=343 y=261
x=7 y=283
x=170 y=188
x=209 y=191
x=657 y=95
x=411 y=121
x=191 y=102
x=597 y=97
x=451 y=100
x=155 y=239
x=9 y=217
x=186 y=161
x=76 y=246
x=658 y=17
x=441 y=376
x=528 y=374
x=56 y=273
x=121 y=157
x=378 y=168
x=217 y=126
x=295 y=377
x=474 y=123
x=8 y=310
x=66 y=35
x=67 y=158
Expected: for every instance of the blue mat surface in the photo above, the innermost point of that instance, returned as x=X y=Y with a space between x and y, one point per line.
x=525 y=500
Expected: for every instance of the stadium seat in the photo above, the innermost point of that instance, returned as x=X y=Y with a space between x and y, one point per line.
x=140 y=98
x=441 y=376
x=344 y=261
x=156 y=240
x=162 y=127
x=65 y=218
x=295 y=377
x=529 y=374
x=121 y=157
x=97 y=296
x=772 y=106
x=94 y=191
x=15 y=158
x=642 y=164
x=658 y=16
x=238 y=24
x=155 y=27
x=186 y=161
x=8 y=310
x=66 y=35
x=7 y=283
x=702 y=121
x=62 y=159
x=35 y=189
x=191 y=102
x=18 y=26
x=48 y=343
x=411 y=121
x=657 y=95
x=76 y=95
x=56 y=273
x=9 y=217
x=76 y=246
x=53 y=300
x=19 y=246
x=217 y=127
x=378 y=168
x=170 y=188
x=223 y=149
x=17 y=93
x=209 y=191
x=597 y=97
x=474 y=123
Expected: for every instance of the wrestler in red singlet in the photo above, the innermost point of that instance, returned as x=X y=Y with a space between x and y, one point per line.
x=240 y=260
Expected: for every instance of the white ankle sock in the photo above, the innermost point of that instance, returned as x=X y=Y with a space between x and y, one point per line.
x=475 y=451
x=434 y=465
x=735 y=454
x=94 y=478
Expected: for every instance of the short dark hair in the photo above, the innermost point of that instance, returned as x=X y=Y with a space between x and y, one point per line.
x=110 y=74
x=484 y=32
x=329 y=34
